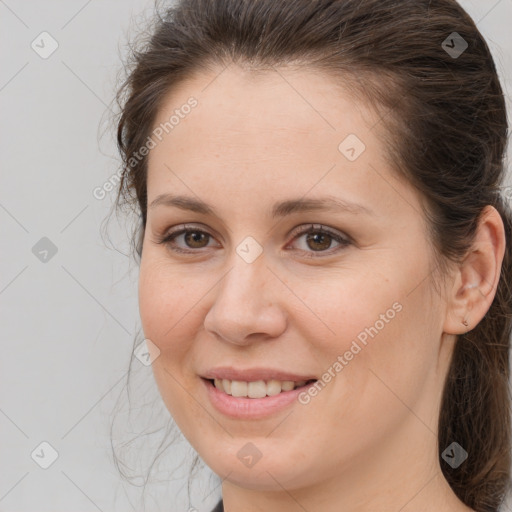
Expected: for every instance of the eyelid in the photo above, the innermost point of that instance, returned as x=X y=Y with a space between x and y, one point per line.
x=180 y=230
x=305 y=228
x=339 y=237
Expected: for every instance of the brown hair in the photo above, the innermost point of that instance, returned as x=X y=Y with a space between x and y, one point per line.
x=445 y=129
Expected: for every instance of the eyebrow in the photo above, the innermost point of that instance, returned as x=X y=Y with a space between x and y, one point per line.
x=281 y=209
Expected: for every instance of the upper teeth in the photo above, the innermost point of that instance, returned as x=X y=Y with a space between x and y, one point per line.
x=256 y=389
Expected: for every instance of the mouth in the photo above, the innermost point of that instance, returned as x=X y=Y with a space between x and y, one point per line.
x=257 y=389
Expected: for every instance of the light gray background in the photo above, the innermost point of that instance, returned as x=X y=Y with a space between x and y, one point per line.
x=68 y=324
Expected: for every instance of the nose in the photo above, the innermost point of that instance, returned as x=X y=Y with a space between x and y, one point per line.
x=246 y=304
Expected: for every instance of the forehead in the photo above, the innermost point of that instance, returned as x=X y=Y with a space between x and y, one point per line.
x=250 y=135
x=248 y=107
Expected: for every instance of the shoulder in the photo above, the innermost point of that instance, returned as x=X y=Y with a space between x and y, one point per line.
x=219 y=507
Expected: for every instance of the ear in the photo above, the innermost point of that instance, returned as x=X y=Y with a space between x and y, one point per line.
x=476 y=279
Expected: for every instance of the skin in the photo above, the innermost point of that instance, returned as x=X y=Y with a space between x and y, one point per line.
x=368 y=440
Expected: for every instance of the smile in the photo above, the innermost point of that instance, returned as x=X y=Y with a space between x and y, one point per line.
x=261 y=404
x=258 y=388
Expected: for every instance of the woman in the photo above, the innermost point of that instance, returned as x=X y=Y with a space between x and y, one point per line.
x=325 y=253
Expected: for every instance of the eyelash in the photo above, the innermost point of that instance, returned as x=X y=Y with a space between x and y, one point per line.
x=168 y=239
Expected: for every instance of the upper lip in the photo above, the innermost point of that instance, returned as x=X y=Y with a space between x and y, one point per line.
x=254 y=374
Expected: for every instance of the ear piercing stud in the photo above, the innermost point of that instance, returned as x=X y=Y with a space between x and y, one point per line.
x=469 y=286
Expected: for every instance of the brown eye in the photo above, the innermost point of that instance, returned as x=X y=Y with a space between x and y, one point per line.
x=319 y=241
x=186 y=240
x=196 y=239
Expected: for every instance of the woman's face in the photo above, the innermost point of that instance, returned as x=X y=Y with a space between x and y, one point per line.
x=350 y=304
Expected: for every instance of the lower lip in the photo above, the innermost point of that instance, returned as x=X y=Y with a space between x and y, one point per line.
x=251 y=408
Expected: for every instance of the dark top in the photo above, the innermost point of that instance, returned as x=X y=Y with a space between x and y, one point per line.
x=219 y=507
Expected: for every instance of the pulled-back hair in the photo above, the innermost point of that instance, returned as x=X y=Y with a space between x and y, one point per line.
x=444 y=123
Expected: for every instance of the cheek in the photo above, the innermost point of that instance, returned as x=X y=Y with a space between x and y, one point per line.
x=166 y=307
x=340 y=309
x=370 y=331
x=163 y=299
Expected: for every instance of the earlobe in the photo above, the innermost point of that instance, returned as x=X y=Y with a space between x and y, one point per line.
x=477 y=277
